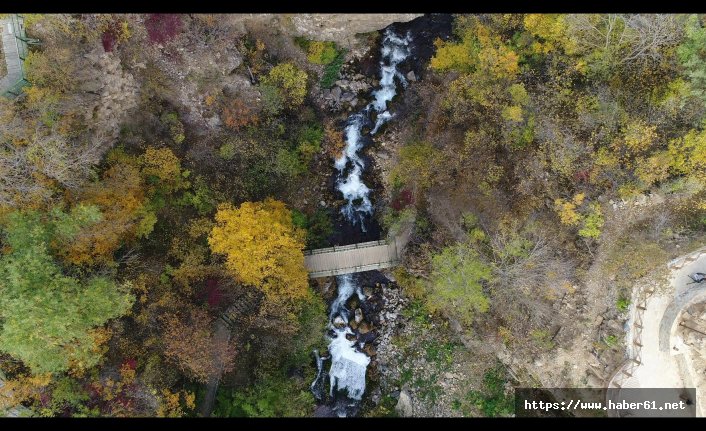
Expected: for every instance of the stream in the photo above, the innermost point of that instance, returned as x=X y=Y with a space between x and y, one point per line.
x=348 y=362
x=348 y=330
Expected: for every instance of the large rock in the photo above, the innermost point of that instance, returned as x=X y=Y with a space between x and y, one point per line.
x=368 y=337
x=338 y=322
x=341 y=28
x=324 y=411
x=358 y=315
x=347 y=97
x=404 y=405
x=353 y=303
x=336 y=93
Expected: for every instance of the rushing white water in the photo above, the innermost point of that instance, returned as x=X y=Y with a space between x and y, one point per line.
x=350 y=165
x=348 y=365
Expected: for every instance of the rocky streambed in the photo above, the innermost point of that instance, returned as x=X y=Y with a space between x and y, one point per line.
x=362 y=313
x=367 y=320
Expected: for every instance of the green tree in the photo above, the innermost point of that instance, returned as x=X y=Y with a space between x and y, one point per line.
x=51 y=321
x=321 y=52
x=692 y=55
x=290 y=81
x=416 y=165
x=272 y=396
x=309 y=142
x=593 y=222
x=457 y=280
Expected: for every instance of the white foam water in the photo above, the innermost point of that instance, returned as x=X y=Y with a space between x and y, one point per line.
x=350 y=165
x=348 y=365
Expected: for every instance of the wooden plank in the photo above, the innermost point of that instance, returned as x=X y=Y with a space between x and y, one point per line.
x=351 y=260
x=366 y=256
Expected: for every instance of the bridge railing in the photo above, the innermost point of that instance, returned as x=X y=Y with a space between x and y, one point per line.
x=345 y=247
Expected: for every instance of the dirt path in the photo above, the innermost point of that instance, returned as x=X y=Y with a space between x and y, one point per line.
x=222 y=336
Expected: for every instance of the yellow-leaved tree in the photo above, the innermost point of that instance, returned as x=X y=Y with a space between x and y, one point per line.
x=262 y=248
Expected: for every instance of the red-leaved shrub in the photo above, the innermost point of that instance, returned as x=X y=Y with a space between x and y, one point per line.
x=213 y=294
x=402 y=200
x=162 y=27
x=108 y=38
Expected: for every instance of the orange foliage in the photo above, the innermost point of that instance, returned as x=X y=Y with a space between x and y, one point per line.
x=190 y=342
x=334 y=142
x=238 y=115
x=23 y=388
x=171 y=403
x=121 y=199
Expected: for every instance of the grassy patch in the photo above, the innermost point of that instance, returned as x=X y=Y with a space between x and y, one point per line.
x=440 y=353
x=386 y=408
x=332 y=71
x=611 y=340
x=542 y=339
x=406 y=376
x=491 y=400
x=418 y=312
x=622 y=304
x=427 y=389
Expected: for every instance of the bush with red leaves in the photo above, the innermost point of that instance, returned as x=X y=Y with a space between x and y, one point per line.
x=213 y=294
x=402 y=200
x=162 y=27
x=130 y=363
x=582 y=176
x=108 y=38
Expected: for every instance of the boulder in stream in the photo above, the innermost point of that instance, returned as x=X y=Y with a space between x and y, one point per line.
x=338 y=322
x=324 y=411
x=358 y=315
x=367 y=338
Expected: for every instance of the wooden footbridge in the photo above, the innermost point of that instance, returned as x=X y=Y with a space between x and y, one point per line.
x=364 y=256
x=15 y=47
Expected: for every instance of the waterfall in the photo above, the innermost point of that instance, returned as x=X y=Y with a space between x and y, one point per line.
x=350 y=165
x=349 y=365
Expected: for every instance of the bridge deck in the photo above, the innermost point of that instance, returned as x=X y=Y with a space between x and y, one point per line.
x=366 y=256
